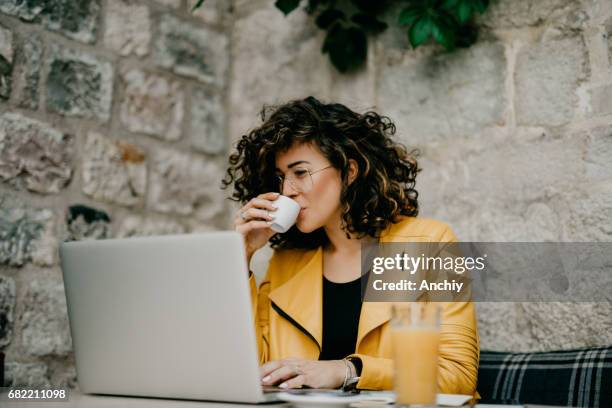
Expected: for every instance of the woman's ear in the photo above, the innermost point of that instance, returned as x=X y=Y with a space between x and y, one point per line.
x=353 y=171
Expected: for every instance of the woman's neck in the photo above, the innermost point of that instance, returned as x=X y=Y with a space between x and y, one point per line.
x=339 y=242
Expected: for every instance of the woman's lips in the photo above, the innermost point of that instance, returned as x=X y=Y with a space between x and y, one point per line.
x=301 y=213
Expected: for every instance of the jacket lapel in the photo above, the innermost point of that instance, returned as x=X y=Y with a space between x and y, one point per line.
x=373 y=315
x=301 y=297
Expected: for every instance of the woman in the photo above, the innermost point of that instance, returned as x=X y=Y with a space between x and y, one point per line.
x=354 y=185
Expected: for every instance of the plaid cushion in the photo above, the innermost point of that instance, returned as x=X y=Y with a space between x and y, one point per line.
x=573 y=378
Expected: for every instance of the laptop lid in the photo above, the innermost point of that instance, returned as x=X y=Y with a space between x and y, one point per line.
x=166 y=316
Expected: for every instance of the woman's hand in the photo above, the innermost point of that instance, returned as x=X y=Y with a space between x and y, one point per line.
x=295 y=373
x=252 y=222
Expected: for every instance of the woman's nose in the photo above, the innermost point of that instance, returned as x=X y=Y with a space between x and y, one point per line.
x=288 y=190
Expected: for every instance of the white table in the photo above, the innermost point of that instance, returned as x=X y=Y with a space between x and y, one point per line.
x=78 y=400
x=105 y=401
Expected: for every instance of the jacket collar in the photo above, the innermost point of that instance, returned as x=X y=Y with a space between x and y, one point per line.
x=301 y=297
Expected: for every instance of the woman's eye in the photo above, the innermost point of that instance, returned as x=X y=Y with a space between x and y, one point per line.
x=300 y=173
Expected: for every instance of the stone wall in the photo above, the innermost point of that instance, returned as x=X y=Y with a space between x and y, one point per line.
x=116 y=117
x=112 y=124
x=515 y=133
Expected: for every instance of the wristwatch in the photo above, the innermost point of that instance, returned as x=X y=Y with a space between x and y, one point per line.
x=352 y=378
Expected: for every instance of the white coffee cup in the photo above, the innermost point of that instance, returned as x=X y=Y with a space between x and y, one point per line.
x=285 y=214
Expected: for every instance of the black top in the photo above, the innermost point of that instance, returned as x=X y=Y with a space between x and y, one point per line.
x=341 y=309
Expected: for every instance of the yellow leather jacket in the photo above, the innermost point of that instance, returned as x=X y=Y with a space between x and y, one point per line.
x=288 y=316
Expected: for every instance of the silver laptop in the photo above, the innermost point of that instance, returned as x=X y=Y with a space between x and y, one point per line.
x=166 y=316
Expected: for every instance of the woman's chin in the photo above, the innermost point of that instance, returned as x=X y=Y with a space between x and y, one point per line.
x=304 y=227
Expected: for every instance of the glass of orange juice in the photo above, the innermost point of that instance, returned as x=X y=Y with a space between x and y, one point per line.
x=415 y=334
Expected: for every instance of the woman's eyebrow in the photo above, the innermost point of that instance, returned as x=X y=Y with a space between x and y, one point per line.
x=294 y=164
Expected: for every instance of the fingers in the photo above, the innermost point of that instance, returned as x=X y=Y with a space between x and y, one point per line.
x=270 y=366
x=254 y=213
x=262 y=203
x=282 y=373
x=257 y=208
x=269 y=196
x=295 y=382
x=252 y=225
x=278 y=370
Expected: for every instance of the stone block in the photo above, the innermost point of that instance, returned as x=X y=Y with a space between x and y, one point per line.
x=152 y=104
x=525 y=13
x=128 y=28
x=556 y=325
x=137 y=226
x=598 y=155
x=433 y=98
x=192 y=51
x=170 y=3
x=289 y=66
x=113 y=170
x=6 y=62
x=84 y=222
x=76 y=20
x=33 y=155
x=527 y=171
x=25 y=10
x=546 y=79
x=587 y=213
x=539 y=326
x=7 y=309
x=27 y=235
x=185 y=184
x=33 y=375
x=510 y=191
x=501 y=327
x=66 y=376
x=45 y=329
x=26 y=84
x=538 y=222
x=79 y=84
x=207 y=121
x=601 y=100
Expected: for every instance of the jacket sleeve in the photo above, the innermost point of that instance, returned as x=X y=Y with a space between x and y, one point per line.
x=376 y=372
x=261 y=313
x=459 y=351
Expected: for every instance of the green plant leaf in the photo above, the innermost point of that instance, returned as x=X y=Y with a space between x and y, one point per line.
x=420 y=31
x=347 y=47
x=372 y=7
x=480 y=5
x=369 y=23
x=409 y=15
x=287 y=6
x=450 y=4
x=328 y=17
x=464 y=11
x=197 y=5
x=443 y=34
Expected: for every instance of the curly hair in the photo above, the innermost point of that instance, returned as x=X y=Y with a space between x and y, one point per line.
x=382 y=192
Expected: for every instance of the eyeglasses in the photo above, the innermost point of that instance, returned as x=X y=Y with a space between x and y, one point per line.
x=299 y=178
